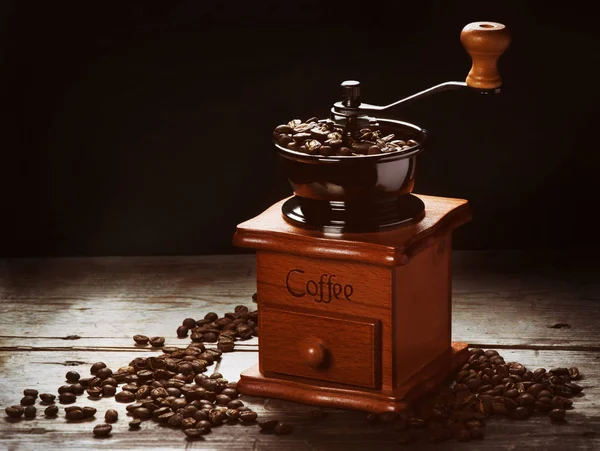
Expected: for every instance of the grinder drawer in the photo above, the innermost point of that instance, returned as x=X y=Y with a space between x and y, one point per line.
x=335 y=349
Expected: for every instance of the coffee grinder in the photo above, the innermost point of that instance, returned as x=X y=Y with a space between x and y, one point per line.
x=354 y=270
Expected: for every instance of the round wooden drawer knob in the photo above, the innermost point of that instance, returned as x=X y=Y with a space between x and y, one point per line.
x=315 y=355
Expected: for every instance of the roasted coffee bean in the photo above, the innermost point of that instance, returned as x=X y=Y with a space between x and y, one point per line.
x=223 y=400
x=226 y=345
x=283 y=428
x=47 y=398
x=64 y=389
x=94 y=392
x=235 y=404
x=29 y=412
x=131 y=407
x=232 y=414
x=165 y=417
x=182 y=331
x=135 y=423
x=268 y=425
x=141 y=339
x=102 y=430
x=574 y=373
x=218 y=416
x=248 y=416
x=95 y=382
x=157 y=342
x=142 y=413
x=97 y=367
x=89 y=412
x=109 y=390
x=212 y=316
x=74 y=414
x=14 y=411
x=195 y=433
x=125 y=396
x=67 y=398
x=520 y=413
x=72 y=376
x=557 y=415
x=575 y=389
x=189 y=323
x=283 y=129
x=525 y=399
x=51 y=411
x=27 y=400
x=111 y=416
x=188 y=422
x=30 y=392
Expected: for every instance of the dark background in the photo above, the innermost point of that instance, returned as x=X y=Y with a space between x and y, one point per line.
x=140 y=128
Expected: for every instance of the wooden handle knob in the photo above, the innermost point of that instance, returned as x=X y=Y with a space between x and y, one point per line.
x=315 y=355
x=485 y=42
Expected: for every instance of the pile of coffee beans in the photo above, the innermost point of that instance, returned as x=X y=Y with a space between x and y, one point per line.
x=485 y=387
x=241 y=324
x=170 y=388
x=326 y=138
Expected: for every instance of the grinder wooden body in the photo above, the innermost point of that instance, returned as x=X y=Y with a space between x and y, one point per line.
x=359 y=321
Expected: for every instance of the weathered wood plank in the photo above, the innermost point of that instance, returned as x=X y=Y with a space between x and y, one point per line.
x=338 y=430
x=505 y=298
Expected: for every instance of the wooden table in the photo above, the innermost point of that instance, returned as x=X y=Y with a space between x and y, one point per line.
x=63 y=314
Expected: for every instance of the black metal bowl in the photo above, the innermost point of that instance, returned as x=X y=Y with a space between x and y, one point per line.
x=340 y=193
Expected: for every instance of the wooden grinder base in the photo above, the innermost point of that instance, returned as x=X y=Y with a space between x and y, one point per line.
x=356 y=320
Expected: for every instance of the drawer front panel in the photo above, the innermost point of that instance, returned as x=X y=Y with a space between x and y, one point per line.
x=340 y=349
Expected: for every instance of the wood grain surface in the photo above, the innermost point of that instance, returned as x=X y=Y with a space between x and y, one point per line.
x=541 y=309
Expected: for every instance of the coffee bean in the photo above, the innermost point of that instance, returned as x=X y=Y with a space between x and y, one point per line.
x=14 y=411
x=76 y=389
x=283 y=428
x=218 y=416
x=157 y=342
x=521 y=413
x=188 y=422
x=212 y=316
x=111 y=416
x=67 y=398
x=47 y=398
x=223 y=400
x=141 y=339
x=94 y=392
x=525 y=399
x=226 y=345
x=268 y=425
x=89 y=412
x=30 y=392
x=29 y=412
x=182 y=331
x=108 y=390
x=575 y=389
x=51 y=411
x=97 y=367
x=74 y=413
x=284 y=129
x=135 y=423
x=72 y=376
x=27 y=400
x=142 y=413
x=195 y=433
x=125 y=396
x=102 y=430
